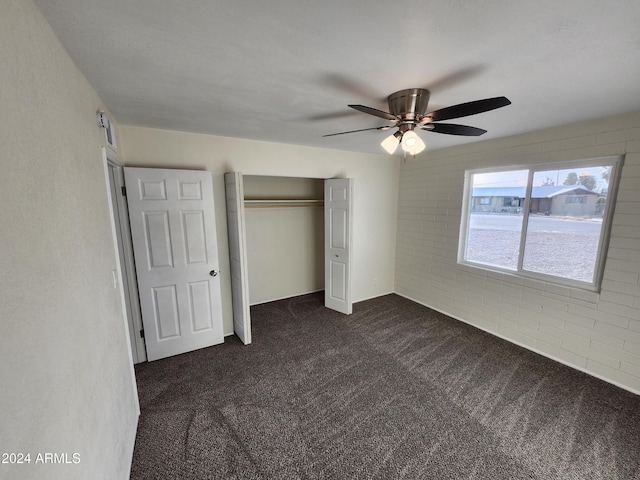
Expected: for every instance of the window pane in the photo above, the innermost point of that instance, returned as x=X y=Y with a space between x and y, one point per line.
x=565 y=220
x=495 y=218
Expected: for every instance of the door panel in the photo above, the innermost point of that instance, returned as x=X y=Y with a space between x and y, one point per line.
x=338 y=225
x=338 y=281
x=158 y=239
x=190 y=190
x=200 y=302
x=238 y=256
x=152 y=190
x=172 y=221
x=165 y=303
x=338 y=207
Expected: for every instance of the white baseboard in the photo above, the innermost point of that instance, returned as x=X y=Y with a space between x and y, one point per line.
x=285 y=297
x=528 y=347
x=373 y=296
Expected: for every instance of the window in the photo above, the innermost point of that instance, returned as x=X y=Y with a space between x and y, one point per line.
x=559 y=234
x=110 y=134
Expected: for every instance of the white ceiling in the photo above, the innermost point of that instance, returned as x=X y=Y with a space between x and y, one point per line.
x=285 y=70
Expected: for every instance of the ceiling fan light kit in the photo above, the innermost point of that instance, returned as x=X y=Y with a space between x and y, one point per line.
x=412 y=143
x=407 y=111
x=391 y=142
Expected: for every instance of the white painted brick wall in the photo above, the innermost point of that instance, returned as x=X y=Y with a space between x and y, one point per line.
x=595 y=332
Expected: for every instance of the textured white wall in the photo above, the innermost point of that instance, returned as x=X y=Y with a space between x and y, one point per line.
x=285 y=252
x=375 y=191
x=67 y=382
x=597 y=333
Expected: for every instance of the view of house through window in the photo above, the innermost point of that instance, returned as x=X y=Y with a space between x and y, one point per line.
x=540 y=220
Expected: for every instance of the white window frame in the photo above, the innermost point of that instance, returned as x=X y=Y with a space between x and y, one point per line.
x=616 y=163
x=110 y=136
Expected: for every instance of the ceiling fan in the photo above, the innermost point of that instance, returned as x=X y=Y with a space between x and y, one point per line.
x=407 y=112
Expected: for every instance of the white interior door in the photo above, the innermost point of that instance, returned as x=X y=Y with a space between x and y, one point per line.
x=172 y=219
x=238 y=256
x=338 y=207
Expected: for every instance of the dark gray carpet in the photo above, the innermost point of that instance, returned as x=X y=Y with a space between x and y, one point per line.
x=395 y=390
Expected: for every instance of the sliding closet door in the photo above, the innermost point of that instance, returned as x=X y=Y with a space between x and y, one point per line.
x=338 y=207
x=238 y=256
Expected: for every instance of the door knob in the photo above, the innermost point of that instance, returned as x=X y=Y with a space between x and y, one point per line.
x=213 y=273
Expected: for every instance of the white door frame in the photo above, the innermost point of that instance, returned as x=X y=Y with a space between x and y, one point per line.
x=115 y=179
x=117 y=273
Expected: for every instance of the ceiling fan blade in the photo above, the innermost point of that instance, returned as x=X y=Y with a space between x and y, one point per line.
x=386 y=127
x=454 y=129
x=451 y=79
x=466 y=109
x=330 y=115
x=353 y=87
x=375 y=112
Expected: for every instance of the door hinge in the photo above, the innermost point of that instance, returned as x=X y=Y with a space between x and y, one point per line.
x=141 y=333
x=123 y=189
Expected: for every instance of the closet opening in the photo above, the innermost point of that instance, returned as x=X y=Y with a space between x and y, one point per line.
x=288 y=236
x=285 y=236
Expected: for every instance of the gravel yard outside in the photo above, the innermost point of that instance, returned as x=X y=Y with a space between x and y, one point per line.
x=560 y=251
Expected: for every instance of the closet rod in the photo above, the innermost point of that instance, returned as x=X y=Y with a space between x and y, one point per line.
x=282 y=203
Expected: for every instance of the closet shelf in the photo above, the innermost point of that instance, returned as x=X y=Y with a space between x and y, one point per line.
x=276 y=203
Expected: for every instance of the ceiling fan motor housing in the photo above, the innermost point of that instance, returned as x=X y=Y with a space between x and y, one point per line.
x=410 y=104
